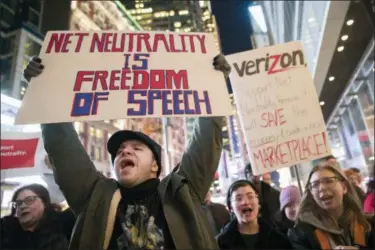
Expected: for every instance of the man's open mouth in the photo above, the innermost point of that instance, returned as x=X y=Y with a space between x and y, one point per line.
x=127 y=163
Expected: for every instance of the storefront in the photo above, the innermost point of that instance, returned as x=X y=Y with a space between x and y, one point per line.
x=351 y=124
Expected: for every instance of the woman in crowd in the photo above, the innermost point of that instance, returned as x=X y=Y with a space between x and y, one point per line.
x=368 y=206
x=290 y=199
x=355 y=178
x=247 y=230
x=36 y=223
x=330 y=214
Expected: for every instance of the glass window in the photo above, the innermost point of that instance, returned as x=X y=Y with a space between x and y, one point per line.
x=34 y=17
x=92 y=152
x=7 y=17
x=367 y=104
x=99 y=133
x=5 y=69
x=341 y=134
x=36 y=5
x=338 y=149
x=11 y=4
x=31 y=48
x=98 y=154
x=350 y=135
x=371 y=81
x=7 y=45
x=92 y=131
x=361 y=131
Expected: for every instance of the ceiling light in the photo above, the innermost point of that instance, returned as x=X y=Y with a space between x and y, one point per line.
x=331 y=78
x=341 y=48
x=344 y=37
x=350 y=22
x=322 y=103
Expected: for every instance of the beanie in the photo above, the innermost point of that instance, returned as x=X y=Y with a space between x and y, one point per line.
x=289 y=195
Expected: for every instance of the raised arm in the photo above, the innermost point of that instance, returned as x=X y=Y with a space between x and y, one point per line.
x=201 y=158
x=73 y=170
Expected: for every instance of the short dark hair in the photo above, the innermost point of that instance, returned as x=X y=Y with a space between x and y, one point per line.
x=329 y=157
x=236 y=185
x=355 y=170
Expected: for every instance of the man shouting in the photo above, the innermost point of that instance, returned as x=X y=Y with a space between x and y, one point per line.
x=138 y=211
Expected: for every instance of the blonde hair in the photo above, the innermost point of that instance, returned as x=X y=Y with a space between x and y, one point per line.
x=352 y=205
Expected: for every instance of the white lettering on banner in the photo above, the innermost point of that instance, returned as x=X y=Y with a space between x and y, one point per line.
x=21 y=154
x=278 y=107
x=16 y=153
x=115 y=75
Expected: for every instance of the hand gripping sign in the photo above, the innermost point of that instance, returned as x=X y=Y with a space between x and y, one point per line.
x=114 y=75
x=278 y=107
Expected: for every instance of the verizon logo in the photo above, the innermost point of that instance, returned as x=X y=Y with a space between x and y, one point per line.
x=271 y=63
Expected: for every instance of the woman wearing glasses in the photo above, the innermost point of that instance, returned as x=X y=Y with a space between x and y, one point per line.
x=330 y=215
x=34 y=222
x=247 y=230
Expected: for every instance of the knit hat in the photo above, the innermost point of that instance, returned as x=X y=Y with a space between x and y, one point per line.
x=289 y=195
x=38 y=189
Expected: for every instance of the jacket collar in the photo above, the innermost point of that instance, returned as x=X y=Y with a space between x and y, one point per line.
x=231 y=234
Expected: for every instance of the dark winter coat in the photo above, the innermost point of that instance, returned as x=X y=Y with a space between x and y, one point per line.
x=268 y=237
x=282 y=223
x=53 y=232
x=313 y=233
x=95 y=199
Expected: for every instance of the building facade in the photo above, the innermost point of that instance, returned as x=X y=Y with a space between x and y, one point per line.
x=351 y=124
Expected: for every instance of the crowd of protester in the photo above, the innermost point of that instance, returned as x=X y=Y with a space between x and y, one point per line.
x=139 y=211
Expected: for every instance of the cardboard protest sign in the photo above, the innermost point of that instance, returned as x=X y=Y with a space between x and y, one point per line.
x=278 y=107
x=22 y=154
x=114 y=75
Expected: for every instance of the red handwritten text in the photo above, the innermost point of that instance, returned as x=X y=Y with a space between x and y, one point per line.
x=291 y=151
x=275 y=118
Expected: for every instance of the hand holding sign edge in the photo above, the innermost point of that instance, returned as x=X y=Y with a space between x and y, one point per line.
x=34 y=68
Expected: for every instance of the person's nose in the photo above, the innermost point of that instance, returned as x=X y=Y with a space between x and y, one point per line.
x=22 y=206
x=321 y=187
x=245 y=201
x=127 y=150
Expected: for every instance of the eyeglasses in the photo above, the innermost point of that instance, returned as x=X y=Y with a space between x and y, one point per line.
x=28 y=201
x=240 y=198
x=328 y=182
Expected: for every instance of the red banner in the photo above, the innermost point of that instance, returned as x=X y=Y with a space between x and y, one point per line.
x=18 y=153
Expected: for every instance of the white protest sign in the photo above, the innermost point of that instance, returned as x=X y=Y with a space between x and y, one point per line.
x=22 y=154
x=107 y=75
x=278 y=107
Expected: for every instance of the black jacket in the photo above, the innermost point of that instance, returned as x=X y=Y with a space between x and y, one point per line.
x=53 y=232
x=270 y=202
x=282 y=223
x=230 y=237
